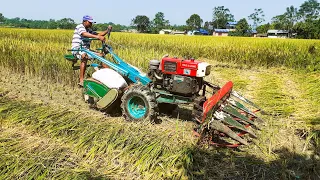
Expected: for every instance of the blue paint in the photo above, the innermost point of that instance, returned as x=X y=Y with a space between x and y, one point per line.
x=120 y=66
x=136 y=107
x=94 y=65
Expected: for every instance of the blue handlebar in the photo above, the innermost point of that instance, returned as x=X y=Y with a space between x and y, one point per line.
x=120 y=66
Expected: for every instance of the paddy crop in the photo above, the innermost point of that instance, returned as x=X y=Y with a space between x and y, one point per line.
x=47 y=131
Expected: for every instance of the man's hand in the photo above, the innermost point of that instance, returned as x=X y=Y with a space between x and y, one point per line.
x=107 y=31
x=110 y=28
x=101 y=38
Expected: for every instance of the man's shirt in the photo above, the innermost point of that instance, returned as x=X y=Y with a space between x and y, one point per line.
x=77 y=38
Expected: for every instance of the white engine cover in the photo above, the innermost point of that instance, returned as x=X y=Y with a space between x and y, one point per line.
x=110 y=78
x=202 y=69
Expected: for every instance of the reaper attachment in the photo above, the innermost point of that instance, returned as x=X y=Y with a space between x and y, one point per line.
x=224 y=117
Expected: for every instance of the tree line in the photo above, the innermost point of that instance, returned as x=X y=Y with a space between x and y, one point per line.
x=65 y=23
x=303 y=21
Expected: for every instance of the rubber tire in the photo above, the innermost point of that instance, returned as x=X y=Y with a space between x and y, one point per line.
x=148 y=98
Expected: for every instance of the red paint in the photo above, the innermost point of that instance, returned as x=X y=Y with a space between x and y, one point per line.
x=213 y=100
x=190 y=65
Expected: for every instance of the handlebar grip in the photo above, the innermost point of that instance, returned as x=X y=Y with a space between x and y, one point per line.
x=90 y=39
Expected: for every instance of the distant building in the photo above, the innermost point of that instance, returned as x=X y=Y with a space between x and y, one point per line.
x=221 y=32
x=273 y=33
x=198 y=32
x=262 y=35
x=165 y=31
x=130 y=30
x=231 y=25
x=254 y=33
x=178 y=33
x=203 y=32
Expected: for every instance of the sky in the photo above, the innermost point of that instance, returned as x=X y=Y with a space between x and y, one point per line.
x=123 y=11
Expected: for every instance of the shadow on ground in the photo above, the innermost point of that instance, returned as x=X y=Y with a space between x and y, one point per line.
x=230 y=164
x=315 y=122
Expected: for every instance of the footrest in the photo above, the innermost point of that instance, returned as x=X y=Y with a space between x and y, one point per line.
x=70 y=57
x=78 y=67
x=88 y=65
x=108 y=99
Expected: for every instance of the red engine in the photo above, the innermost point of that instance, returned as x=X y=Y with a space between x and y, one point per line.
x=189 y=67
x=179 y=76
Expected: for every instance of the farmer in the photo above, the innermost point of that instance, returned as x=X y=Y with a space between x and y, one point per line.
x=83 y=30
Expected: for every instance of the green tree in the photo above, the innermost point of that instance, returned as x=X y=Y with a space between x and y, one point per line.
x=25 y=23
x=159 y=22
x=309 y=10
x=263 y=28
x=257 y=17
x=242 y=28
x=279 y=22
x=287 y=20
x=180 y=27
x=52 y=24
x=142 y=23
x=2 y=18
x=14 y=22
x=308 y=30
x=206 y=25
x=194 y=21
x=104 y=26
x=291 y=16
x=303 y=30
x=221 y=16
x=66 y=23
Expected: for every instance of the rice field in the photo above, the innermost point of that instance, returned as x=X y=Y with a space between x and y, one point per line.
x=48 y=132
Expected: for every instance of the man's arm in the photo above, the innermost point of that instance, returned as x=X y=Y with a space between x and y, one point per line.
x=103 y=33
x=89 y=35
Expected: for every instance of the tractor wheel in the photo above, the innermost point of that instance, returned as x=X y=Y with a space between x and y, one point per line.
x=139 y=103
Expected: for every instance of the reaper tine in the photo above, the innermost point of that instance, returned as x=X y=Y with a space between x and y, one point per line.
x=233 y=112
x=241 y=107
x=217 y=125
x=237 y=95
x=226 y=118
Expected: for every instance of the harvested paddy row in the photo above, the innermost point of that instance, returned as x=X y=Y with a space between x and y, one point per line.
x=165 y=150
x=26 y=154
x=102 y=142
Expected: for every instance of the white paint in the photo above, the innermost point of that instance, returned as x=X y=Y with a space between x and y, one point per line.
x=110 y=78
x=201 y=72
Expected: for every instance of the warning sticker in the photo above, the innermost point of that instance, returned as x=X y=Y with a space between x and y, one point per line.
x=187 y=71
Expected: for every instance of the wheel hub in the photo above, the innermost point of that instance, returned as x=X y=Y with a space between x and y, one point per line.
x=137 y=107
